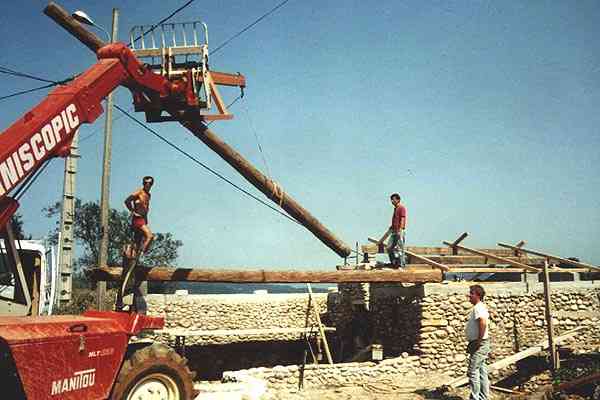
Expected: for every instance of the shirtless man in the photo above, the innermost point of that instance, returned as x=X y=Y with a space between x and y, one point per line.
x=138 y=203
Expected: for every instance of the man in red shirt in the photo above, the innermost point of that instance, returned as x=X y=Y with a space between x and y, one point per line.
x=397 y=233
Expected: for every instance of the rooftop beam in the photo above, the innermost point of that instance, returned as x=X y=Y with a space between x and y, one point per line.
x=264 y=276
x=420 y=258
x=494 y=257
x=551 y=257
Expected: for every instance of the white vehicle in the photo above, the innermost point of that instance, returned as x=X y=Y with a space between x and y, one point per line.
x=33 y=293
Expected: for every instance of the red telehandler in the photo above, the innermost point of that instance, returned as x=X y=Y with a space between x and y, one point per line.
x=92 y=356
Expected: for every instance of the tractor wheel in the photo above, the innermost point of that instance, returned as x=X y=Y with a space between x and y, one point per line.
x=154 y=372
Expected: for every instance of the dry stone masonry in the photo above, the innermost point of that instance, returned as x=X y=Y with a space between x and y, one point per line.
x=420 y=326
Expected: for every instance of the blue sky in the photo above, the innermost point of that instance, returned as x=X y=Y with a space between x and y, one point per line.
x=482 y=115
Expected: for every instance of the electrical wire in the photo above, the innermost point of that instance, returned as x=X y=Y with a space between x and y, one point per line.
x=21 y=190
x=9 y=71
x=265 y=15
x=12 y=72
x=8 y=96
x=162 y=21
x=89 y=135
x=200 y=163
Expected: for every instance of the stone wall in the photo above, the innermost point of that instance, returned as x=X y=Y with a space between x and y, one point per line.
x=420 y=327
x=516 y=320
x=318 y=376
x=236 y=312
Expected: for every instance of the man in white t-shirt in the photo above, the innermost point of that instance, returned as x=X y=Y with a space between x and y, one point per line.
x=476 y=332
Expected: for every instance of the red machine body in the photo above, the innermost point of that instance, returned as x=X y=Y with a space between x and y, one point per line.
x=47 y=130
x=90 y=357
x=67 y=357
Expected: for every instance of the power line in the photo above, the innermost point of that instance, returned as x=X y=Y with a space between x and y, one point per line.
x=9 y=71
x=200 y=163
x=26 y=91
x=250 y=26
x=51 y=83
x=162 y=21
x=30 y=180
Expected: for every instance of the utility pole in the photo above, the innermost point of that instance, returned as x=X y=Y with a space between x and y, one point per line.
x=105 y=192
x=67 y=219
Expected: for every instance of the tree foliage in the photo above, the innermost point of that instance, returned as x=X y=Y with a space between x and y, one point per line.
x=16 y=223
x=87 y=233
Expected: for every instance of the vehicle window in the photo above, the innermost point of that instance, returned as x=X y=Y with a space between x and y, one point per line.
x=7 y=278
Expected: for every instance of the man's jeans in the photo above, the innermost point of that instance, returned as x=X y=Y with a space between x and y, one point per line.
x=478 y=373
x=396 y=249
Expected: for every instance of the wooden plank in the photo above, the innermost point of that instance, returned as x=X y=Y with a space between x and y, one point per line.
x=494 y=257
x=576 y=314
x=237 y=332
x=504 y=390
x=548 y=314
x=497 y=269
x=263 y=276
x=371 y=248
x=418 y=257
x=505 y=362
x=320 y=325
x=491 y=270
x=427 y=261
x=552 y=257
x=476 y=259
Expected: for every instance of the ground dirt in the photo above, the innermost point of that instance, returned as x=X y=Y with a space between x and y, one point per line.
x=416 y=388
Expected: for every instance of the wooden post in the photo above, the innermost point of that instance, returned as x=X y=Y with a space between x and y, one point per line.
x=549 y=324
x=321 y=330
x=197 y=127
x=105 y=185
x=517 y=250
x=457 y=241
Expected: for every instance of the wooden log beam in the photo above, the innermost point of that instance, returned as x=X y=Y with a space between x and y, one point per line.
x=268 y=187
x=428 y=261
x=236 y=332
x=479 y=270
x=70 y=24
x=197 y=127
x=371 y=248
x=494 y=257
x=485 y=268
x=475 y=259
x=551 y=257
x=263 y=276
x=457 y=242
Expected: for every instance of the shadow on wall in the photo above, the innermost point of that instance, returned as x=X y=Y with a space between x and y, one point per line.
x=397 y=323
x=210 y=361
x=383 y=314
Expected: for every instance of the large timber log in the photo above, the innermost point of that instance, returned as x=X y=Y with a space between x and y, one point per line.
x=231 y=156
x=264 y=276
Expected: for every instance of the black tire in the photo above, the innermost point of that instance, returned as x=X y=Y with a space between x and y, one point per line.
x=154 y=367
